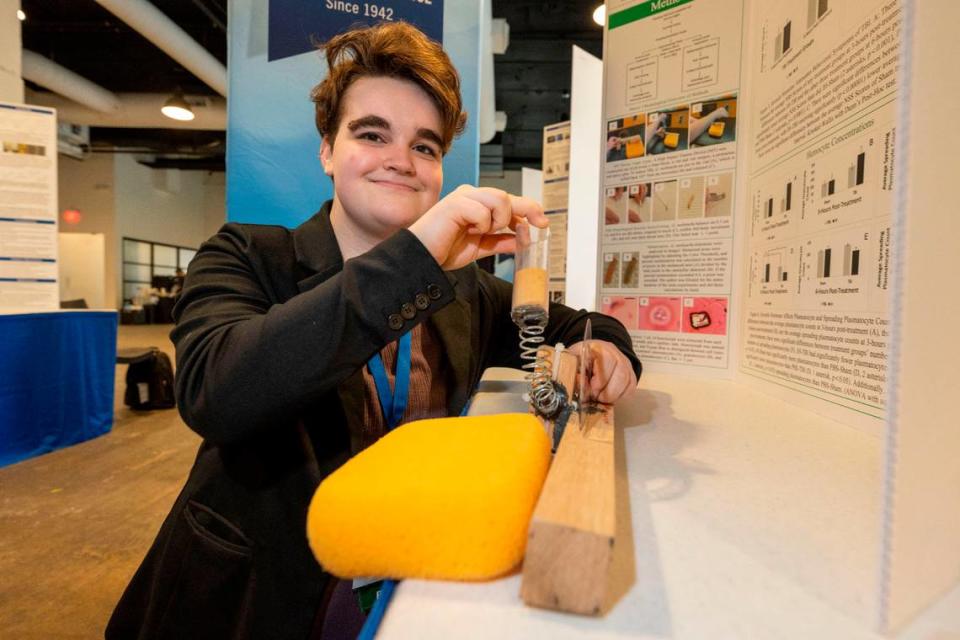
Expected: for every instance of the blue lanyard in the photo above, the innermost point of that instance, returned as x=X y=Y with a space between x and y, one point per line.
x=393 y=405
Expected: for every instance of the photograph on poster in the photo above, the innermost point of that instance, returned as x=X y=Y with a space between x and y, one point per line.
x=615 y=206
x=660 y=314
x=705 y=315
x=624 y=309
x=718 y=197
x=24 y=149
x=625 y=138
x=611 y=270
x=639 y=203
x=690 y=201
x=630 y=269
x=665 y=201
x=667 y=130
x=713 y=121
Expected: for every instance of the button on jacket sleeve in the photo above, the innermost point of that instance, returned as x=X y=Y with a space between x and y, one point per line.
x=253 y=351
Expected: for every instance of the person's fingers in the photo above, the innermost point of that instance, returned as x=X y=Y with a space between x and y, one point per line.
x=614 y=377
x=604 y=368
x=616 y=386
x=499 y=204
x=475 y=213
x=529 y=209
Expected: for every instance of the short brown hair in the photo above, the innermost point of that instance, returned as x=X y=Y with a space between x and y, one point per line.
x=394 y=50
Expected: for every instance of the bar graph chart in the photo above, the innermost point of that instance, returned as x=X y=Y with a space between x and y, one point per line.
x=851 y=260
x=826 y=266
x=771 y=267
x=855 y=173
x=781 y=43
x=778 y=204
x=783 y=206
x=816 y=9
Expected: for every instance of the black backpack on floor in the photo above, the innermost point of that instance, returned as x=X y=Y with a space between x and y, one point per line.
x=150 y=382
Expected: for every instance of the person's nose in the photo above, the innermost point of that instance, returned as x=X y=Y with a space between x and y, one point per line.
x=399 y=158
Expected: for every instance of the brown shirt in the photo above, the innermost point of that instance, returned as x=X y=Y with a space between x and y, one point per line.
x=428 y=384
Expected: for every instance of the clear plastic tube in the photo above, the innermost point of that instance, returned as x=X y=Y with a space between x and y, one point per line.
x=530 y=298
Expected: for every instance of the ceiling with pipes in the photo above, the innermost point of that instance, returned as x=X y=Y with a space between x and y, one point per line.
x=532 y=77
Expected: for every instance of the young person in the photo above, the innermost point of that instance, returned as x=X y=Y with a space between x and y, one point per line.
x=275 y=329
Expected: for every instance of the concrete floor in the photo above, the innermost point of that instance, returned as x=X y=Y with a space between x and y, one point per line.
x=75 y=523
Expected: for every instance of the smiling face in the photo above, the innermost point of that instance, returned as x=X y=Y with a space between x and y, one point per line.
x=385 y=160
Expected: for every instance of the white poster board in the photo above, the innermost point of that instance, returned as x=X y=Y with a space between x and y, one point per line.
x=666 y=264
x=28 y=208
x=555 y=190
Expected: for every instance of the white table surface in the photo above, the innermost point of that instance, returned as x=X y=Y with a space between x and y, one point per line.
x=748 y=517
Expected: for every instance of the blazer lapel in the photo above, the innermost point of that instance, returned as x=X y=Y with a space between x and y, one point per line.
x=316 y=249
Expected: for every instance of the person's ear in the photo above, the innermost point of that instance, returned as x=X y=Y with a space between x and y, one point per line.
x=326 y=156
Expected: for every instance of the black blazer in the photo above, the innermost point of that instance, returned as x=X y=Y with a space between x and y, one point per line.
x=273 y=329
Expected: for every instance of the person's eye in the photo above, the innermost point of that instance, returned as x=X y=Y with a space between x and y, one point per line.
x=426 y=149
x=372 y=136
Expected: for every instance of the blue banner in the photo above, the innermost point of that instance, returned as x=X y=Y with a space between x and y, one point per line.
x=297 y=26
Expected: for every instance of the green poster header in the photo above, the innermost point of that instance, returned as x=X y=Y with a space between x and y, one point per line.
x=641 y=11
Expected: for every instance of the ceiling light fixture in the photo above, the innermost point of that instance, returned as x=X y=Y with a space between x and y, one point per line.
x=600 y=14
x=177 y=108
x=21 y=16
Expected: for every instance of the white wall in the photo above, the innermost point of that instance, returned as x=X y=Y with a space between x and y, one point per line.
x=120 y=198
x=11 y=83
x=160 y=205
x=88 y=186
x=214 y=204
x=164 y=205
x=82 y=266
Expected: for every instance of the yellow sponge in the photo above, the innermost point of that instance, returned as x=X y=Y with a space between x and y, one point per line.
x=449 y=499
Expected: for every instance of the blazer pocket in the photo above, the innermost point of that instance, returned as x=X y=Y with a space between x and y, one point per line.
x=209 y=596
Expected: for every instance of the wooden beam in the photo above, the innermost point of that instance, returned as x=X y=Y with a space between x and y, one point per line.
x=570 y=542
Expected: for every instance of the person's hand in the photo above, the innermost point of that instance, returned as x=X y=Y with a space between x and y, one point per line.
x=610 y=376
x=613 y=142
x=720 y=113
x=472 y=223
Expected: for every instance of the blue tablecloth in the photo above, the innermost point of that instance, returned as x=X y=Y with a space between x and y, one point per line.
x=56 y=380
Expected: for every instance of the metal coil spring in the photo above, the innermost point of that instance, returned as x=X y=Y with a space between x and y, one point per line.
x=543 y=393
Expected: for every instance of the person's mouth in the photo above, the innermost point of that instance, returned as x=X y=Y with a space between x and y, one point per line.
x=395 y=185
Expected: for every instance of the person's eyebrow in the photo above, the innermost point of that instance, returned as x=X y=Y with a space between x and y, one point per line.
x=368 y=121
x=430 y=135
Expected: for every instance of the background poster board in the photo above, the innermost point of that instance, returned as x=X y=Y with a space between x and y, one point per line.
x=556 y=189
x=667 y=253
x=28 y=208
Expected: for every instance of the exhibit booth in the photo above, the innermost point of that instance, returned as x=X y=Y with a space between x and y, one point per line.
x=748 y=188
x=760 y=193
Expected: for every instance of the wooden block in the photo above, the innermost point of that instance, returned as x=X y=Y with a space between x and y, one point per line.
x=570 y=542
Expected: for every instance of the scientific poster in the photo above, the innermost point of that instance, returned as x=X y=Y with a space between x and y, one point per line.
x=556 y=190
x=28 y=209
x=823 y=77
x=671 y=86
